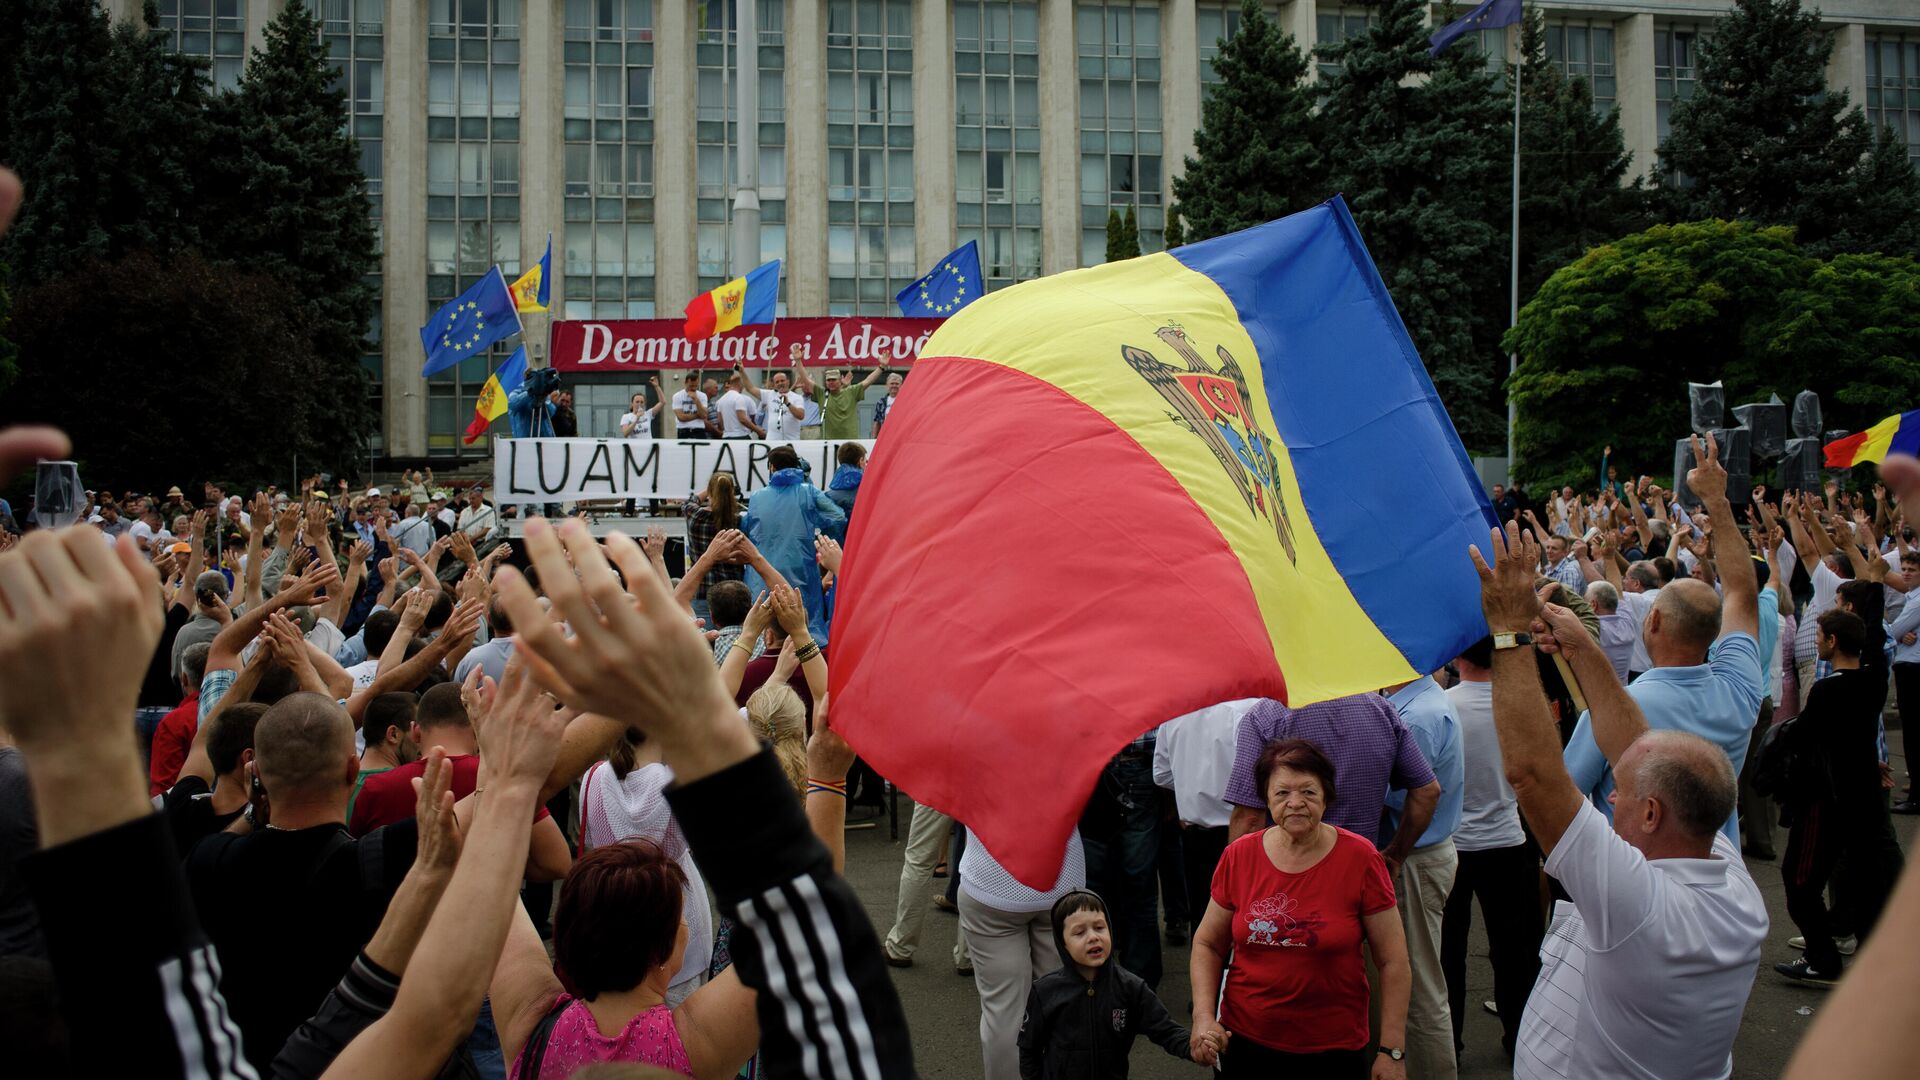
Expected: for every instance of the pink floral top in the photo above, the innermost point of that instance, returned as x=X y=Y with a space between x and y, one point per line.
x=648 y=1039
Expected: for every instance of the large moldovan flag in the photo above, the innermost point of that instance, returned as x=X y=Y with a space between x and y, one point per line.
x=491 y=405
x=1117 y=495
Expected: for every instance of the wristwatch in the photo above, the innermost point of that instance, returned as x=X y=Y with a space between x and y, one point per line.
x=1394 y=1053
x=1510 y=641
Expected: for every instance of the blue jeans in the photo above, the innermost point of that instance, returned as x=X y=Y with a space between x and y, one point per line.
x=1123 y=869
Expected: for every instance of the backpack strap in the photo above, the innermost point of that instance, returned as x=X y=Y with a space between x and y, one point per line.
x=534 y=1054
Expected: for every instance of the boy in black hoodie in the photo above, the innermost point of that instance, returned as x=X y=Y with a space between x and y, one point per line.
x=1082 y=1018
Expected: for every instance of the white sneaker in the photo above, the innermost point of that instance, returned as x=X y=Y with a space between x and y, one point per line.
x=1846 y=945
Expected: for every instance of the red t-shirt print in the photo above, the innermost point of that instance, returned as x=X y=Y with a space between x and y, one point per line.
x=1296 y=981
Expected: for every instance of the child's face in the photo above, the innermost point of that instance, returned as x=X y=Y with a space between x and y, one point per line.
x=1088 y=941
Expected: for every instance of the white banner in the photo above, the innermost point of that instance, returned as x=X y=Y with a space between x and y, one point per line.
x=569 y=470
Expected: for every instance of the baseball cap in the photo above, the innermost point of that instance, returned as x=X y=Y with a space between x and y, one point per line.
x=373 y=493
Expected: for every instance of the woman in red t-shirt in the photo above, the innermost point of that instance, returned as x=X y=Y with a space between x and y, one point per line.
x=1291 y=905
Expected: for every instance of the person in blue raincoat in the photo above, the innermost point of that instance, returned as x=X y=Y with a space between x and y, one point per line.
x=845 y=485
x=781 y=519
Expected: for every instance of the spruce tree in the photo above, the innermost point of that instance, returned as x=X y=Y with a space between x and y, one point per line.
x=1123 y=235
x=290 y=200
x=1175 y=235
x=1421 y=147
x=1572 y=164
x=1130 y=233
x=1764 y=139
x=1257 y=154
x=108 y=130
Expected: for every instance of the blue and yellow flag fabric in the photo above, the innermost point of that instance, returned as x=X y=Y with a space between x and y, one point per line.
x=491 y=405
x=1214 y=473
x=949 y=286
x=533 y=288
x=1490 y=15
x=468 y=323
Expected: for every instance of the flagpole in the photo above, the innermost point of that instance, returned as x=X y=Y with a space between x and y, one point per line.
x=1513 y=284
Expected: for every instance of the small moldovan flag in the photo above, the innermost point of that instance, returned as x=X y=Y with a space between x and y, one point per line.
x=1490 y=15
x=469 y=323
x=531 y=290
x=743 y=300
x=946 y=288
x=492 y=402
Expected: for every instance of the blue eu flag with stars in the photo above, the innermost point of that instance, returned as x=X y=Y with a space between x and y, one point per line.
x=949 y=286
x=470 y=322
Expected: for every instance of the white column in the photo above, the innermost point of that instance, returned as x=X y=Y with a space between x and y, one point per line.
x=674 y=98
x=1296 y=18
x=124 y=10
x=1179 y=86
x=259 y=14
x=1059 y=139
x=1847 y=64
x=806 y=88
x=933 y=138
x=403 y=259
x=1633 y=68
x=542 y=163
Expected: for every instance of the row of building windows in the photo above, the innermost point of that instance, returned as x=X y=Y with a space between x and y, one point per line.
x=609 y=248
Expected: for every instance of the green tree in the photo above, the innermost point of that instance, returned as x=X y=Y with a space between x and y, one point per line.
x=1609 y=342
x=1119 y=244
x=1764 y=139
x=1421 y=147
x=288 y=198
x=167 y=370
x=1175 y=234
x=1572 y=164
x=107 y=129
x=1130 y=236
x=1257 y=154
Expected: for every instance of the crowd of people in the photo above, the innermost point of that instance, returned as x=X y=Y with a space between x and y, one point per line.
x=787 y=406
x=287 y=781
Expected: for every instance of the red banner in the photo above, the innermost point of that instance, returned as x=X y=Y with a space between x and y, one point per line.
x=588 y=345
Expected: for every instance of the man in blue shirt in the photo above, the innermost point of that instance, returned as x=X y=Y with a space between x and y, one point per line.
x=1425 y=879
x=1707 y=676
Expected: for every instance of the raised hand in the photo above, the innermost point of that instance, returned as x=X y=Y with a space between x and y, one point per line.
x=360 y=552
x=438 y=845
x=828 y=755
x=308 y=586
x=285 y=523
x=785 y=665
x=827 y=551
x=1708 y=478
x=301 y=557
x=519 y=730
x=1506 y=587
x=656 y=542
x=411 y=610
x=634 y=655
x=789 y=608
x=462 y=547
x=759 y=617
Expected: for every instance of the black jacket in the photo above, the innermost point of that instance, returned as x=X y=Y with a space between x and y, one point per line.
x=1080 y=1030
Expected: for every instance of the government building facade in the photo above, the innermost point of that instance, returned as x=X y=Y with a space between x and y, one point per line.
x=889 y=132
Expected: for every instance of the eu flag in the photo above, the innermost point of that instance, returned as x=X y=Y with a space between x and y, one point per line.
x=946 y=288
x=1489 y=15
x=469 y=323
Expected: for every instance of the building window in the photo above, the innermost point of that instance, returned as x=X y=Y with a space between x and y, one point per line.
x=1336 y=26
x=1676 y=70
x=473 y=184
x=1584 y=50
x=607 y=245
x=996 y=67
x=1120 y=145
x=213 y=30
x=717 y=138
x=1893 y=88
x=869 y=154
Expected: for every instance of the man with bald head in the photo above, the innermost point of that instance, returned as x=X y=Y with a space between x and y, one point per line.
x=289 y=904
x=1707 y=676
x=1646 y=971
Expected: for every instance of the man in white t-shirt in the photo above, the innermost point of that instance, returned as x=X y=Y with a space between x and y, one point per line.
x=1639 y=590
x=637 y=421
x=690 y=410
x=1647 y=971
x=785 y=409
x=737 y=411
